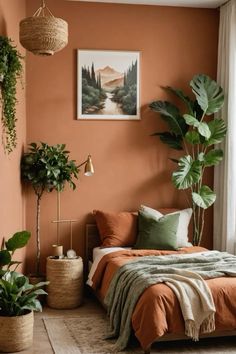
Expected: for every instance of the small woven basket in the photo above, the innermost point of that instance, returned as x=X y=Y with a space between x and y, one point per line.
x=16 y=333
x=65 y=290
x=43 y=35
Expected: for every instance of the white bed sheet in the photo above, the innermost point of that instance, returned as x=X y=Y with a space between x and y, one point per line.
x=98 y=253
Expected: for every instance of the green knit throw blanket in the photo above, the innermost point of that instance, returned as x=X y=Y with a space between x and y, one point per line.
x=130 y=281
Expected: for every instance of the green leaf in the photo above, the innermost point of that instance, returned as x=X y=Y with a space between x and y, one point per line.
x=204 y=130
x=209 y=94
x=56 y=172
x=213 y=157
x=33 y=306
x=18 y=240
x=5 y=258
x=205 y=198
x=21 y=281
x=218 y=131
x=189 y=103
x=41 y=284
x=201 y=156
x=33 y=145
x=171 y=115
x=188 y=173
x=17 y=295
x=175 y=142
x=190 y=120
x=40 y=292
x=193 y=137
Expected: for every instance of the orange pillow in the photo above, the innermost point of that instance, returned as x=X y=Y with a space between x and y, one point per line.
x=165 y=211
x=117 y=229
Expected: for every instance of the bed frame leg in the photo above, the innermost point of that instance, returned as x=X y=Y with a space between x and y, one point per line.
x=147 y=351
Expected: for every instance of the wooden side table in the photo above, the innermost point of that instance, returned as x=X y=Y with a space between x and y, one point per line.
x=65 y=290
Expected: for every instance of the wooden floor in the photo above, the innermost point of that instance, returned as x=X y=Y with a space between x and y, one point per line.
x=42 y=345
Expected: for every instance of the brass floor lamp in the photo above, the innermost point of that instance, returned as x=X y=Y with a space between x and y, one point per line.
x=58 y=249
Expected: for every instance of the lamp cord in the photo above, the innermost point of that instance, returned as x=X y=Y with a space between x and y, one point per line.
x=41 y=10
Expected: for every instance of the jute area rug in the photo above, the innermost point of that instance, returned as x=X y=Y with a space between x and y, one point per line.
x=81 y=335
x=84 y=335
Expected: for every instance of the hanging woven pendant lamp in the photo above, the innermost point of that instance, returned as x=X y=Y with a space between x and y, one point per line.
x=43 y=34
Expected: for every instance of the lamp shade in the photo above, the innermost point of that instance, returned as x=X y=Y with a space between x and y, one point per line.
x=89 y=169
x=43 y=35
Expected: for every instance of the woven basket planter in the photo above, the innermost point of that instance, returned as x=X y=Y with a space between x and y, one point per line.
x=65 y=290
x=43 y=35
x=16 y=333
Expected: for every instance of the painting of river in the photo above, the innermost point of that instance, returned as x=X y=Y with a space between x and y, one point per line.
x=108 y=84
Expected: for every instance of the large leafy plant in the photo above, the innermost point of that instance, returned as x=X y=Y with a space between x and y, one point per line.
x=17 y=296
x=47 y=168
x=196 y=133
x=10 y=72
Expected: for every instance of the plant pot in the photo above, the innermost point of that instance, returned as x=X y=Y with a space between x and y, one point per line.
x=16 y=333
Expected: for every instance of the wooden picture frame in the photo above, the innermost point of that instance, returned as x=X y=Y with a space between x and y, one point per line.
x=108 y=85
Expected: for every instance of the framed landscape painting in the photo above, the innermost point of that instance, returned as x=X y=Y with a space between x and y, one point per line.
x=108 y=84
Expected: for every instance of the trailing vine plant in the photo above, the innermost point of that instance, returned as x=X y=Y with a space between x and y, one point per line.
x=10 y=72
x=196 y=133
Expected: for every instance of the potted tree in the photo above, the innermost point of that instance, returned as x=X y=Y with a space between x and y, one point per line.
x=18 y=299
x=10 y=72
x=46 y=168
x=196 y=133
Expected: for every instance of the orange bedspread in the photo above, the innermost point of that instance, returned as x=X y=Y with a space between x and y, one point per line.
x=157 y=311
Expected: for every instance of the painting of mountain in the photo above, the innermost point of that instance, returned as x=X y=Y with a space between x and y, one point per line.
x=111 y=84
x=108 y=74
x=108 y=85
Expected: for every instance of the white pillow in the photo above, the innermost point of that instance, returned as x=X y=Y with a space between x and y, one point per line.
x=184 y=220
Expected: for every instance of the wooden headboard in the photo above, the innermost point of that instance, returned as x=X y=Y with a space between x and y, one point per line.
x=92 y=240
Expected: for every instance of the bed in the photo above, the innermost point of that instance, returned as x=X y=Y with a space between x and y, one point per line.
x=152 y=318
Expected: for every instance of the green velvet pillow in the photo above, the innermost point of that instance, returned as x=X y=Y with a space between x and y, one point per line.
x=158 y=234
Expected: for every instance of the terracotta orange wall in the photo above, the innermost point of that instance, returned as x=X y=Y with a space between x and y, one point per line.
x=12 y=200
x=131 y=167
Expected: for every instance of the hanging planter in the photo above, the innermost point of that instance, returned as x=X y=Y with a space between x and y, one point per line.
x=43 y=34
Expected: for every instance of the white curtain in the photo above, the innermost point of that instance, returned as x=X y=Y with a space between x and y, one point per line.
x=225 y=174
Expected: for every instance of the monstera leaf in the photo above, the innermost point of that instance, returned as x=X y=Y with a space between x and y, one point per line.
x=213 y=157
x=204 y=130
x=209 y=94
x=171 y=115
x=218 y=131
x=191 y=120
x=188 y=173
x=202 y=127
x=193 y=137
x=174 y=141
x=204 y=198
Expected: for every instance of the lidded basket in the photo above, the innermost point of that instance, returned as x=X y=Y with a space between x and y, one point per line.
x=43 y=34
